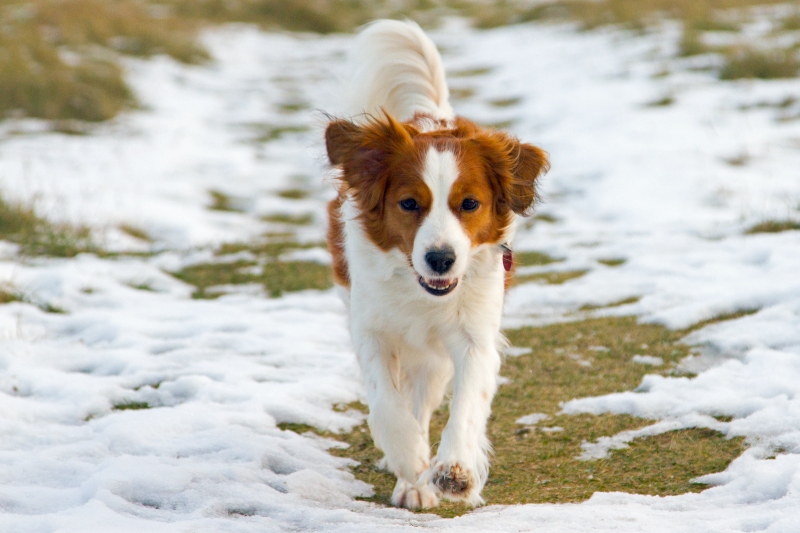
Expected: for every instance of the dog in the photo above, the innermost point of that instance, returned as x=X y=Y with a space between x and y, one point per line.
x=419 y=234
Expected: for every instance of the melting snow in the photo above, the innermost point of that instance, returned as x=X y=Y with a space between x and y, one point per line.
x=646 y=183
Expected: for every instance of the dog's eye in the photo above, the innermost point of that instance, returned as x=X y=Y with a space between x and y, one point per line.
x=469 y=204
x=409 y=204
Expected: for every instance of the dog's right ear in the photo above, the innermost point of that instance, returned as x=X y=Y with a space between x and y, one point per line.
x=342 y=139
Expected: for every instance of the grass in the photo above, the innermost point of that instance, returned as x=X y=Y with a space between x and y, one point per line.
x=135 y=232
x=618 y=303
x=773 y=226
x=268 y=269
x=8 y=295
x=130 y=406
x=293 y=194
x=536 y=464
x=533 y=258
x=506 y=102
x=612 y=261
x=461 y=93
x=470 y=72
x=284 y=218
x=37 y=236
x=550 y=278
x=664 y=101
x=58 y=58
x=767 y=64
x=222 y=202
x=272 y=132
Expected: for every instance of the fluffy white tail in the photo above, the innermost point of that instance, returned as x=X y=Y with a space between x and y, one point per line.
x=397 y=68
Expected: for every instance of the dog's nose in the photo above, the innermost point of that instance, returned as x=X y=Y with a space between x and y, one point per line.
x=440 y=260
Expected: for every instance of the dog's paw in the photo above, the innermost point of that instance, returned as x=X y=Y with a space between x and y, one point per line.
x=413 y=496
x=455 y=482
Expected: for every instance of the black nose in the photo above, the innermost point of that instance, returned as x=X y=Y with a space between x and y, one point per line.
x=441 y=260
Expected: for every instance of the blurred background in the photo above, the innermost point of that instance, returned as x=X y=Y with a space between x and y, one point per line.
x=59 y=58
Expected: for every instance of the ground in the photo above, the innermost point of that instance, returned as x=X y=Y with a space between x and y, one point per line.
x=189 y=368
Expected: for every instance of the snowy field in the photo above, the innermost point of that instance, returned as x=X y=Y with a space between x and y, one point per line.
x=653 y=185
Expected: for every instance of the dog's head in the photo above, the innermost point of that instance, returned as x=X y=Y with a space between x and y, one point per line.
x=435 y=190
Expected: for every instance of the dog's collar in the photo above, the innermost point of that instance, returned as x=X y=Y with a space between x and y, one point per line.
x=508 y=256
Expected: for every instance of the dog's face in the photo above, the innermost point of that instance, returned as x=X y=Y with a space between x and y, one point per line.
x=434 y=194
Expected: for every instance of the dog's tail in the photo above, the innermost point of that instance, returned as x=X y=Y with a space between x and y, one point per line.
x=397 y=68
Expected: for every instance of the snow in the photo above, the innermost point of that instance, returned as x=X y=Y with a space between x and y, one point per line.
x=647 y=184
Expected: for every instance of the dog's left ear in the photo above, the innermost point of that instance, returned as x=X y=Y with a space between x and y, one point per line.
x=342 y=139
x=514 y=168
x=529 y=162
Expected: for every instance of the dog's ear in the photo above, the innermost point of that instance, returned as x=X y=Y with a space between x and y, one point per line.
x=530 y=163
x=514 y=169
x=342 y=138
x=364 y=153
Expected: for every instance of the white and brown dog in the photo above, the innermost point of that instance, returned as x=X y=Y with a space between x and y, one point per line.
x=426 y=206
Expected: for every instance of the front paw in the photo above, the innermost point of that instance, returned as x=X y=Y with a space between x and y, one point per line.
x=413 y=496
x=455 y=482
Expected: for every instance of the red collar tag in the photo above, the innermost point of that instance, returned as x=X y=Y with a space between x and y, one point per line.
x=508 y=258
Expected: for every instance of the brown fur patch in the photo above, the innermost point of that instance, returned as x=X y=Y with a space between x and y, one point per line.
x=341 y=273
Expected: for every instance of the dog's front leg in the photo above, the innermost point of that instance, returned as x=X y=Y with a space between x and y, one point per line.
x=461 y=465
x=394 y=428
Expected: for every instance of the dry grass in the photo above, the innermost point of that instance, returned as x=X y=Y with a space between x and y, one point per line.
x=296 y=220
x=550 y=278
x=57 y=58
x=222 y=202
x=774 y=226
x=8 y=295
x=533 y=258
x=268 y=269
x=762 y=64
x=537 y=464
x=38 y=236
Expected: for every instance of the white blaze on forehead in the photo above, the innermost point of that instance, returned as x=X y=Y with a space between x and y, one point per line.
x=441 y=228
x=440 y=171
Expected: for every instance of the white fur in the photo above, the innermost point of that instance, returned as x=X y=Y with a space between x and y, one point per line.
x=413 y=347
x=441 y=227
x=397 y=68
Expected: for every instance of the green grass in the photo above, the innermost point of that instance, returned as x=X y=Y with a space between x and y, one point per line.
x=37 y=236
x=271 y=132
x=534 y=466
x=293 y=194
x=618 y=303
x=8 y=295
x=769 y=64
x=533 y=258
x=664 y=101
x=544 y=217
x=292 y=107
x=135 y=232
x=277 y=275
x=469 y=72
x=550 y=278
x=612 y=261
x=130 y=406
x=462 y=93
x=36 y=80
x=774 y=226
x=506 y=102
x=283 y=218
x=222 y=202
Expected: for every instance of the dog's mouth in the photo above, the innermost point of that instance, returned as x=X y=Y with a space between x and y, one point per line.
x=438 y=287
